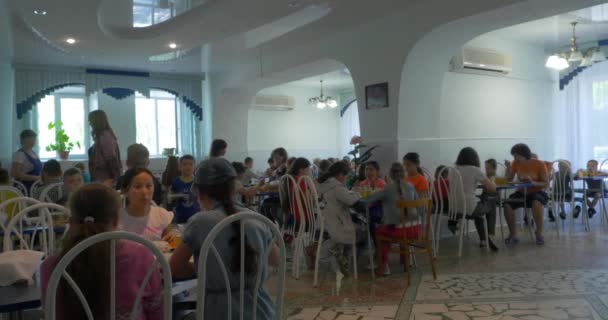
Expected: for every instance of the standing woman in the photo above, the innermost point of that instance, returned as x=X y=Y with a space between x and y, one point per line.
x=26 y=165
x=104 y=156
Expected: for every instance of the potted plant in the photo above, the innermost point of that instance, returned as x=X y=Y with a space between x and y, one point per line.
x=62 y=144
x=359 y=157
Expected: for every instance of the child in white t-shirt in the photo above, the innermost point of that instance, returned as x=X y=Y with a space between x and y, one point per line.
x=139 y=215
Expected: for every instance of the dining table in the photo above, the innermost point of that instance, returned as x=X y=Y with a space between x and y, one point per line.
x=502 y=198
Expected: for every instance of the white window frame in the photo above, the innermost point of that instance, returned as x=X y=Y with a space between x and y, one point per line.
x=177 y=120
x=154 y=8
x=57 y=105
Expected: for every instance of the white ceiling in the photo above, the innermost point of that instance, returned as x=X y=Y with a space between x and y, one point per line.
x=106 y=38
x=338 y=80
x=555 y=32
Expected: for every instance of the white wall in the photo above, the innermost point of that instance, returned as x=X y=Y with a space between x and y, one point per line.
x=305 y=131
x=492 y=113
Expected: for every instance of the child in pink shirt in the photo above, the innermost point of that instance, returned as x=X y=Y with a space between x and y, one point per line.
x=372 y=177
x=94 y=209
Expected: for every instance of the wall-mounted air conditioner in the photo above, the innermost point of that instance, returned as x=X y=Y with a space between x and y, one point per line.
x=478 y=60
x=274 y=103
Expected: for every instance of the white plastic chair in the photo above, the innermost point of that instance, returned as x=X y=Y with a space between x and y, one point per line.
x=17 y=204
x=456 y=193
x=52 y=193
x=43 y=225
x=558 y=187
x=306 y=200
x=60 y=272
x=207 y=246
x=21 y=187
x=34 y=188
x=429 y=179
x=7 y=193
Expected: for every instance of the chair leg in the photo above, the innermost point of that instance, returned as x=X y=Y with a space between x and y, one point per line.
x=485 y=231
x=354 y=250
x=379 y=262
x=429 y=249
x=439 y=235
x=461 y=231
x=315 y=282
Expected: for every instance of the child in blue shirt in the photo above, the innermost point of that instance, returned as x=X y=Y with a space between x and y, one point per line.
x=186 y=206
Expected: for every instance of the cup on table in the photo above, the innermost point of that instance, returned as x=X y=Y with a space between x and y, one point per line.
x=501 y=181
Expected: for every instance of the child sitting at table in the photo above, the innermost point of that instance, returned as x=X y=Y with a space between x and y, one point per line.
x=140 y=216
x=72 y=181
x=372 y=177
x=335 y=205
x=244 y=194
x=411 y=162
x=594 y=187
x=51 y=174
x=562 y=189
x=94 y=209
x=299 y=168
x=396 y=190
x=86 y=177
x=187 y=205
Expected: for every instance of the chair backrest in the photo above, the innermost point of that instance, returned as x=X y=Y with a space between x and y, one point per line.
x=42 y=225
x=561 y=184
x=35 y=186
x=11 y=207
x=300 y=194
x=416 y=213
x=60 y=272
x=429 y=179
x=207 y=246
x=7 y=193
x=440 y=203
x=21 y=187
x=52 y=193
x=456 y=193
x=603 y=165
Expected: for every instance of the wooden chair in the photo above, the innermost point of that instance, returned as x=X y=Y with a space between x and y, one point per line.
x=420 y=242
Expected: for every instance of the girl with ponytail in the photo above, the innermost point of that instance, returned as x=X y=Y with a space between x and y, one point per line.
x=214 y=183
x=414 y=174
x=335 y=204
x=94 y=210
x=395 y=191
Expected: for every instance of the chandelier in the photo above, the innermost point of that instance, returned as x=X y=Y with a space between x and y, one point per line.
x=323 y=101
x=564 y=60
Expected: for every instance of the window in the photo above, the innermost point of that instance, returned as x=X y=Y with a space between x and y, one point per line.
x=68 y=107
x=156 y=121
x=600 y=95
x=147 y=13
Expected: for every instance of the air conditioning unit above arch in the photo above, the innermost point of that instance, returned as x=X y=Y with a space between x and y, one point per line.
x=274 y=103
x=481 y=61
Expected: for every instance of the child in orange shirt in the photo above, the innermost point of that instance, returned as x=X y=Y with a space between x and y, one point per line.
x=411 y=162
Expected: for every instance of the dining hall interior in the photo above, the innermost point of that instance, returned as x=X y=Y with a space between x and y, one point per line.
x=303 y=159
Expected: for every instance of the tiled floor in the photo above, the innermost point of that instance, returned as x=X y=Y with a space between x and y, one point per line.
x=565 y=279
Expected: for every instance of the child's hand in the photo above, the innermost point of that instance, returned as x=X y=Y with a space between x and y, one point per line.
x=170 y=236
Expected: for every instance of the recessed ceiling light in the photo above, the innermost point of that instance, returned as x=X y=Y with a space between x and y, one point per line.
x=70 y=40
x=172 y=45
x=482 y=65
x=40 y=12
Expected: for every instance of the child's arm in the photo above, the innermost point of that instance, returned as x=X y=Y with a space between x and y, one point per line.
x=347 y=197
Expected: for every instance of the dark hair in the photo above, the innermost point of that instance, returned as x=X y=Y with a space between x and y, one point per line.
x=217 y=146
x=99 y=123
x=297 y=165
x=239 y=167
x=414 y=158
x=361 y=172
x=52 y=167
x=324 y=165
x=27 y=133
x=335 y=170
x=270 y=161
x=248 y=160
x=492 y=163
x=128 y=177
x=522 y=150
x=80 y=166
x=138 y=155
x=280 y=152
x=71 y=172
x=468 y=157
x=593 y=161
x=223 y=194
x=186 y=157
x=102 y=204
x=373 y=164
x=438 y=171
x=4 y=177
x=171 y=171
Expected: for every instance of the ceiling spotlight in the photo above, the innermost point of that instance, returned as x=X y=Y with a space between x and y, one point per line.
x=70 y=40
x=172 y=45
x=40 y=12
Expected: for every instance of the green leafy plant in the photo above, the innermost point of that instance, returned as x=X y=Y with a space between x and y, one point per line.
x=62 y=140
x=358 y=157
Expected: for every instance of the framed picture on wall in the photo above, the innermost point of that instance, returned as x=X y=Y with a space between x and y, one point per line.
x=376 y=96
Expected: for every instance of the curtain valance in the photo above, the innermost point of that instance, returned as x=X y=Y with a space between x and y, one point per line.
x=32 y=84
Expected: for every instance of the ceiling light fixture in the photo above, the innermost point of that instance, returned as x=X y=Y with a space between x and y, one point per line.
x=322 y=101
x=556 y=62
x=70 y=40
x=40 y=12
x=575 y=54
x=172 y=45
